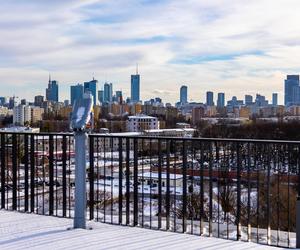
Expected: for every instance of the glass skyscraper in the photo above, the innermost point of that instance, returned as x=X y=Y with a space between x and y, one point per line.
x=210 y=98
x=52 y=91
x=76 y=93
x=91 y=87
x=183 y=94
x=291 y=90
x=221 y=100
x=135 y=87
x=274 y=99
x=108 y=90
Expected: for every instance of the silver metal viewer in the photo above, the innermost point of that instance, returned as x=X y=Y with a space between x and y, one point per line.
x=81 y=124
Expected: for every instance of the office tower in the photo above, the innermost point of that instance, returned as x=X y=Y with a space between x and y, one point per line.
x=101 y=96
x=119 y=96
x=91 y=87
x=248 y=100
x=23 y=102
x=135 y=87
x=52 y=91
x=261 y=101
x=38 y=100
x=2 y=101
x=275 y=99
x=291 y=90
x=76 y=93
x=108 y=90
x=66 y=103
x=209 y=98
x=221 y=100
x=183 y=94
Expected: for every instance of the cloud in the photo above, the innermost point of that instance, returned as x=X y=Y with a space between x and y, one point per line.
x=220 y=45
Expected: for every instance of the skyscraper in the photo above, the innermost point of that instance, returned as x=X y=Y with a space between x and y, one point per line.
x=52 y=91
x=210 y=98
x=101 y=96
x=183 y=94
x=291 y=90
x=38 y=100
x=135 y=87
x=274 y=99
x=221 y=100
x=76 y=93
x=119 y=96
x=91 y=87
x=248 y=100
x=108 y=90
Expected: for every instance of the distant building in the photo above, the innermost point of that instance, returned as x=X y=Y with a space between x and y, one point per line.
x=38 y=100
x=139 y=123
x=274 y=99
x=261 y=101
x=52 y=91
x=210 y=98
x=119 y=96
x=21 y=114
x=107 y=94
x=101 y=96
x=183 y=94
x=197 y=114
x=76 y=93
x=135 y=87
x=248 y=100
x=91 y=87
x=291 y=90
x=2 y=100
x=221 y=100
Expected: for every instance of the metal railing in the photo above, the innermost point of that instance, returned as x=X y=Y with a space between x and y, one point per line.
x=234 y=189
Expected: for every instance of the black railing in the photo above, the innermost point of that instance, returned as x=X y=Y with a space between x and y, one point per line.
x=233 y=189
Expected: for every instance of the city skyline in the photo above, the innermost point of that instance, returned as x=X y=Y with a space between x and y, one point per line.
x=222 y=46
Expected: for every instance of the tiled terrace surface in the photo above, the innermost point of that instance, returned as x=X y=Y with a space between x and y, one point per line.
x=29 y=231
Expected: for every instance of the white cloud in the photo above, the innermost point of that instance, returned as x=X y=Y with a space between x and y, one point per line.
x=220 y=45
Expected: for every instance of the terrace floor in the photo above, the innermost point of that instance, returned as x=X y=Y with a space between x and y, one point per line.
x=30 y=231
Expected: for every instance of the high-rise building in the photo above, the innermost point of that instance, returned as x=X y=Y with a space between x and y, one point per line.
x=2 y=101
x=108 y=90
x=210 y=98
x=221 y=100
x=38 y=100
x=91 y=87
x=101 y=96
x=135 y=87
x=291 y=90
x=119 y=96
x=261 y=101
x=248 y=100
x=52 y=91
x=76 y=93
x=274 y=99
x=183 y=94
x=21 y=114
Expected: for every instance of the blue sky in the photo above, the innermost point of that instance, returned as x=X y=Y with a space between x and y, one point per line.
x=231 y=46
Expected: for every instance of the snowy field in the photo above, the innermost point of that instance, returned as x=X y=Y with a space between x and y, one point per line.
x=29 y=231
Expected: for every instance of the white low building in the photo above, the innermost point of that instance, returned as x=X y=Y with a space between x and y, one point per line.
x=139 y=123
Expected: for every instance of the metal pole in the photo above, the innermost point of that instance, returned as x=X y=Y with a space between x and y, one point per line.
x=298 y=222
x=80 y=177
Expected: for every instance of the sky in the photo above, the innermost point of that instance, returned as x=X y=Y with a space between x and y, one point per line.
x=234 y=46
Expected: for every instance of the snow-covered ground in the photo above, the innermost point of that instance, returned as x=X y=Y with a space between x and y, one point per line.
x=29 y=231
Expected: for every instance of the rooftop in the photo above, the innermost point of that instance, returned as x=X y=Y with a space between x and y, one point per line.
x=30 y=231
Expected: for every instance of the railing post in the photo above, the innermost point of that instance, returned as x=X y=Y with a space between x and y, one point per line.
x=51 y=175
x=135 y=184
x=2 y=170
x=298 y=206
x=91 y=177
x=120 y=180
x=184 y=186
